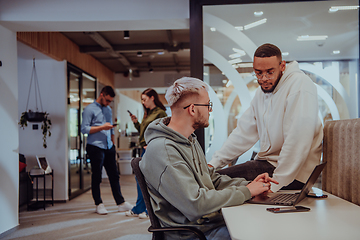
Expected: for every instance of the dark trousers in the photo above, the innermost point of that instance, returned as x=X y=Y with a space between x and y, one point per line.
x=100 y=158
x=251 y=169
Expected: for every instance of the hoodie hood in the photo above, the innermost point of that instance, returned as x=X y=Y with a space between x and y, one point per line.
x=158 y=130
x=291 y=69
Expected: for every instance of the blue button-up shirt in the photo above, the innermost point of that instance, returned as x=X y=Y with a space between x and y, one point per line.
x=97 y=115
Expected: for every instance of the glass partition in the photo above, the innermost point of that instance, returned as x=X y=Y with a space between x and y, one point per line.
x=323 y=36
x=81 y=92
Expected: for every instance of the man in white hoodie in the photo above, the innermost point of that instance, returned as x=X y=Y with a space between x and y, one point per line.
x=284 y=116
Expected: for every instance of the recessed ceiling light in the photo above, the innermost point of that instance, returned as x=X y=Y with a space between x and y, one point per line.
x=337 y=8
x=235 y=55
x=311 y=38
x=240 y=51
x=224 y=81
x=245 y=65
x=285 y=53
x=255 y=24
x=160 y=53
x=258 y=14
x=213 y=29
x=229 y=83
x=234 y=61
x=126 y=35
x=336 y=52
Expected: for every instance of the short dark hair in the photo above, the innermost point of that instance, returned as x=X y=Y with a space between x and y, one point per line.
x=108 y=90
x=268 y=50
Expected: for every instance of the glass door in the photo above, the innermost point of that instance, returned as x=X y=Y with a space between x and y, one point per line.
x=305 y=33
x=81 y=92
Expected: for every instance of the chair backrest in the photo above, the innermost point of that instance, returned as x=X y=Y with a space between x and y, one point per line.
x=341 y=151
x=143 y=186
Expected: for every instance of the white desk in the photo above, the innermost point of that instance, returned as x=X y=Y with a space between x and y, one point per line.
x=329 y=218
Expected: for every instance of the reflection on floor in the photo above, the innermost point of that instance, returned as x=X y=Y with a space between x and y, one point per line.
x=75 y=177
x=76 y=219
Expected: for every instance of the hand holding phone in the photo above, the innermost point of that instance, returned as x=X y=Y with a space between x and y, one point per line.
x=115 y=124
x=288 y=209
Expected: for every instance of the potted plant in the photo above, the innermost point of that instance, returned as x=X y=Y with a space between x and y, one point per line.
x=43 y=117
x=37 y=116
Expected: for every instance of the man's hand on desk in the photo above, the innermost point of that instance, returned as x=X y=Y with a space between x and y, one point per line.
x=261 y=184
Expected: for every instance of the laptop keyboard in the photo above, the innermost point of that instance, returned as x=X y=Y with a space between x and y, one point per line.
x=284 y=198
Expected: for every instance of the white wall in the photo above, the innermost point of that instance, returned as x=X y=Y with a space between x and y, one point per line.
x=53 y=88
x=9 y=138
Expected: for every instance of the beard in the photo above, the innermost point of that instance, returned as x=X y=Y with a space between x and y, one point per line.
x=274 y=86
x=201 y=122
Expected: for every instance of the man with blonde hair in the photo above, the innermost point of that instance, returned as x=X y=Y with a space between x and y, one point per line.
x=184 y=191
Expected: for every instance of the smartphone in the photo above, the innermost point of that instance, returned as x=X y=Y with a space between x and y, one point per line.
x=316 y=195
x=129 y=112
x=115 y=124
x=288 y=209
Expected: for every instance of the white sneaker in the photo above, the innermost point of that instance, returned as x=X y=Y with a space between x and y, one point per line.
x=125 y=206
x=143 y=215
x=100 y=209
x=131 y=214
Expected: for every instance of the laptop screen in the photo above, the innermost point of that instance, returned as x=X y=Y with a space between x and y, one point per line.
x=310 y=182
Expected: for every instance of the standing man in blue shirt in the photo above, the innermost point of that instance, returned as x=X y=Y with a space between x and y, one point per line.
x=97 y=123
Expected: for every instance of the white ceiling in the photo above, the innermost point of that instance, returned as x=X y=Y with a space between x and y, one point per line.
x=287 y=21
x=169 y=24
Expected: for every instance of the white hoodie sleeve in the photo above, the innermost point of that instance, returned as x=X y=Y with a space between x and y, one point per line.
x=241 y=139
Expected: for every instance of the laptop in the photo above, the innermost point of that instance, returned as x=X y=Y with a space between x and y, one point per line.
x=289 y=199
x=44 y=167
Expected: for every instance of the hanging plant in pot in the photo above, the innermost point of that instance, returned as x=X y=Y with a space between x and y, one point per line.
x=37 y=116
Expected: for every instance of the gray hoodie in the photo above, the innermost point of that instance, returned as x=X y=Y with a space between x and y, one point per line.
x=183 y=190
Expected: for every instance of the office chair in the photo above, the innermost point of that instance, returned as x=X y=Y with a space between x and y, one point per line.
x=156 y=229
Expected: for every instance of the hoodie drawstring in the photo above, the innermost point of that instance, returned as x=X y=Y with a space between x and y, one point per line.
x=198 y=157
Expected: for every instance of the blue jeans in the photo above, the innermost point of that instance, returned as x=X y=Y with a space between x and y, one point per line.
x=140 y=203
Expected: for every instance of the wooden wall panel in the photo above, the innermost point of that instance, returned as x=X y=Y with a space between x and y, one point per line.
x=58 y=47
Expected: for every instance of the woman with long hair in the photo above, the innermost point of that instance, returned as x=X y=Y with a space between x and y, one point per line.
x=153 y=109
